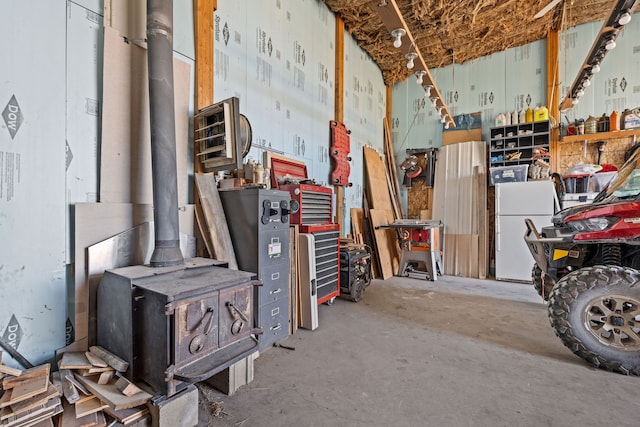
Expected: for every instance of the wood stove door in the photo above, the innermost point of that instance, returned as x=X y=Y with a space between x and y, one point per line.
x=236 y=314
x=196 y=333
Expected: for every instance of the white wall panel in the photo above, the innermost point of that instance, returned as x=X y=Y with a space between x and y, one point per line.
x=32 y=178
x=84 y=92
x=364 y=112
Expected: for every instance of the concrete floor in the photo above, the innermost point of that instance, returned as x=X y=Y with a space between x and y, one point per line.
x=456 y=352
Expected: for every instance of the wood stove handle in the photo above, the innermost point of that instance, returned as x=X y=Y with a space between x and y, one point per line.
x=240 y=313
x=209 y=326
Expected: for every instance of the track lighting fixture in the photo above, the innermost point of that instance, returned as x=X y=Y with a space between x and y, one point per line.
x=625 y=18
x=402 y=39
x=443 y=118
x=446 y=125
x=397 y=34
x=605 y=41
x=411 y=56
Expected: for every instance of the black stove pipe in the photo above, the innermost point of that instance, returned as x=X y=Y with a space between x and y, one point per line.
x=163 y=134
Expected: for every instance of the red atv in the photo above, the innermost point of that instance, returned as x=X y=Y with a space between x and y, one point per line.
x=588 y=268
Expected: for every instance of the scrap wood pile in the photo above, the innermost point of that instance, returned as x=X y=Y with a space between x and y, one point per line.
x=87 y=390
x=382 y=206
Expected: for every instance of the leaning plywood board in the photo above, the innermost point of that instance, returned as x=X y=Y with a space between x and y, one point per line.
x=126 y=142
x=386 y=243
x=376 y=180
x=110 y=395
x=215 y=219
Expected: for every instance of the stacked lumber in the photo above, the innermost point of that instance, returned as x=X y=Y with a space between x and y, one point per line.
x=95 y=390
x=460 y=202
x=29 y=398
x=381 y=207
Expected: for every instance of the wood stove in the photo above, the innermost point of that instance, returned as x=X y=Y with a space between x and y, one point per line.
x=177 y=325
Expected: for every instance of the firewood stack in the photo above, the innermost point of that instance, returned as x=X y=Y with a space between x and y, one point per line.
x=94 y=390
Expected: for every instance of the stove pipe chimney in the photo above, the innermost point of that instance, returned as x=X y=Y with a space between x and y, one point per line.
x=163 y=134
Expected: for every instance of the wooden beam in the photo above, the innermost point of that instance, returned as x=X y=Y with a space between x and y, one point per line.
x=553 y=94
x=339 y=111
x=203 y=25
x=339 y=77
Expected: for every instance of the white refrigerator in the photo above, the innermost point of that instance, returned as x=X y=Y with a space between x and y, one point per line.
x=516 y=201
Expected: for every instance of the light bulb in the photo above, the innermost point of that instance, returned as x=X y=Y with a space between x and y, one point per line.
x=427 y=91
x=580 y=93
x=595 y=69
x=434 y=101
x=446 y=126
x=410 y=57
x=625 y=18
x=586 y=83
x=420 y=76
x=611 y=44
x=439 y=109
x=397 y=34
x=443 y=118
x=575 y=101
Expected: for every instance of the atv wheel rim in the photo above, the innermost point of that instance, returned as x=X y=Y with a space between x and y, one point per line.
x=614 y=320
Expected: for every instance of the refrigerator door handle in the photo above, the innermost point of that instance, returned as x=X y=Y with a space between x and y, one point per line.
x=498 y=239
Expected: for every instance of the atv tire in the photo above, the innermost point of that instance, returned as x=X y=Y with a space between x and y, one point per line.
x=536 y=278
x=593 y=311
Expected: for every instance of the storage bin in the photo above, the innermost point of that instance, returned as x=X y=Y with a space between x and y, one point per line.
x=502 y=174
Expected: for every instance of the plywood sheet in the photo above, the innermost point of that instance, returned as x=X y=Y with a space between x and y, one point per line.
x=126 y=142
x=376 y=180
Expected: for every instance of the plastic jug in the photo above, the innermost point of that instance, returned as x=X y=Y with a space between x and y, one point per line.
x=522 y=116
x=501 y=120
x=541 y=114
x=514 y=117
x=507 y=119
x=614 y=121
x=590 y=125
x=529 y=115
